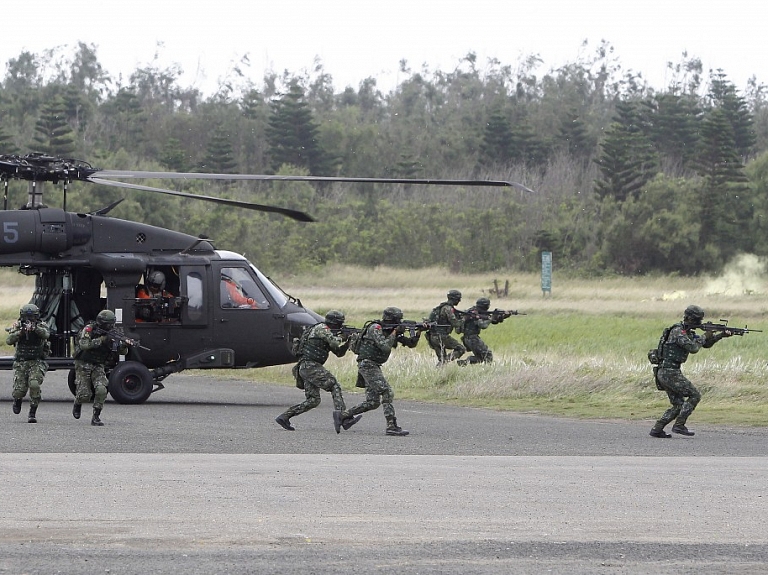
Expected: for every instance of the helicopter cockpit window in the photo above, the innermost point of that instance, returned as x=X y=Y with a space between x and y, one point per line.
x=278 y=295
x=238 y=290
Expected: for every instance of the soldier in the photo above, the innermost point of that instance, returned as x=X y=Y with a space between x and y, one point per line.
x=475 y=319
x=681 y=340
x=377 y=341
x=439 y=337
x=153 y=291
x=93 y=349
x=30 y=336
x=314 y=346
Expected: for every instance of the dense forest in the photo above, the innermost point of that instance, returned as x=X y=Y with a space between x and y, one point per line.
x=629 y=178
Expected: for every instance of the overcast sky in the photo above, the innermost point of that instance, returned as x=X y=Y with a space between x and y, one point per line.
x=356 y=39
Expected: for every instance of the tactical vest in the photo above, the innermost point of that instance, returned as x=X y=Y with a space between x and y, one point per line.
x=438 y=316
x=471 y=326
x=30 y=346
x=315 y=349
x=369 y=349
x=97 y=355
x=674 y=355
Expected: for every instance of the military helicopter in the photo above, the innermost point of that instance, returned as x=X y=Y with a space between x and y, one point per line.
x=216 y=309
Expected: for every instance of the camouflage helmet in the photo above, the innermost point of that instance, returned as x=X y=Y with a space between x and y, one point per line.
x=29 y=311
x=454 y=295
x=334 y=317
x=156 y=280
x=693 y=314
x=483 y=303
x=392 y=315
x=106 y=318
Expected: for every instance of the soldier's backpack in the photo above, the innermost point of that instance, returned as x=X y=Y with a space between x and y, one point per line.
x=297 y=346
x=656 y=355
x=356 y=339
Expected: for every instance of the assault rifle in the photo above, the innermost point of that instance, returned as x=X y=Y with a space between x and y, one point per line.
x=28 y=326
x=117 y=338
x=347 y=330
x=412 y=327
x=495 y=316
x=719 y=327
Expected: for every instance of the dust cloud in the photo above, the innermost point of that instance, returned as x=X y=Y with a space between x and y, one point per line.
x=744 y=275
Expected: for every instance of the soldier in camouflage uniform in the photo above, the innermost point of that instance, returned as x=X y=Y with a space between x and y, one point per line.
x=93 y=350
x=378 y=340
x=684 y=397
x=475 y=319
x=309 y=371
x=439 y=337
x=30 y=337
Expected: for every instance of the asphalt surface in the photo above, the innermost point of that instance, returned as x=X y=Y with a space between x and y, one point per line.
x=200 y=479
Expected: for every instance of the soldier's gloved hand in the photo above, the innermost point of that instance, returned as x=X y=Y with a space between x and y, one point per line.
x=727 y=333
x=101 y=340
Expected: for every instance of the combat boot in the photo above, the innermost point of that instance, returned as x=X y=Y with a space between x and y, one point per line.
x=285 y=423
x=76 y=410
x=95 y=419
x=337 y=420
x=350 y=421
x=659 y=433
x=682 y=430
x=32 y=412
x=17 y=406
x=394 y=429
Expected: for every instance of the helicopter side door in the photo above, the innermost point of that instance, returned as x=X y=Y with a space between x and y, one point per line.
x=245 y=318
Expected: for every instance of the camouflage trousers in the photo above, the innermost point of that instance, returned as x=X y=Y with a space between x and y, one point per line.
x=28 y=375
x=480 y=351
x=682 y=394
x=316 y=377
x=442 y=344
x=377 y=392
x=90 y=381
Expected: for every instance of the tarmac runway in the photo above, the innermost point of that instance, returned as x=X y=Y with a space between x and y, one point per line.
x=201 y=480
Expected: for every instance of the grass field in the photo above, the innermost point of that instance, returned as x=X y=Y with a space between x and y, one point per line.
x=580 y=351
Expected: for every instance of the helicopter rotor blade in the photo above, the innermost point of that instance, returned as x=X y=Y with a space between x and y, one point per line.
x=276 y=178
x=294 y=214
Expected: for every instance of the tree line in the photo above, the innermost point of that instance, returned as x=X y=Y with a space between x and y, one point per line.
x=629 y=178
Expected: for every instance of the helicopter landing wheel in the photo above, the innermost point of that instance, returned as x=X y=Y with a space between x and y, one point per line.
x=130 y=382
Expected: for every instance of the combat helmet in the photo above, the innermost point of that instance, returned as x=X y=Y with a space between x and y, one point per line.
x=29 y=312
x=693 y=315
x=454 y=296
x=106 y=319
x=156 y=280
x=483 y=304
x=334 y=318
x=392 y=315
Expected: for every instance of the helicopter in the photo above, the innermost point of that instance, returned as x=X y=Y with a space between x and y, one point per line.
x=87 y=262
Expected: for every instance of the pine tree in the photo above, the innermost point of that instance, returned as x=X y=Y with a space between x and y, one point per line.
x=496 y=147
x=293 y=135
x=219 y=157
x=572 y=135
x=53 y=133
x=673 y=124
x=724 y=96
x=627 y=159
x=726 y=208
x=173 y=156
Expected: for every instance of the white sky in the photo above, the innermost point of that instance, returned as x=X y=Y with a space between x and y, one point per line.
x=356 y=39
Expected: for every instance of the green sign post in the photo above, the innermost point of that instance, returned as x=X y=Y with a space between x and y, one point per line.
x=546 y=273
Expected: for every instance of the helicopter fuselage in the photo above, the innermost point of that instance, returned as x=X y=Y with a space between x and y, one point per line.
x=217 y=311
